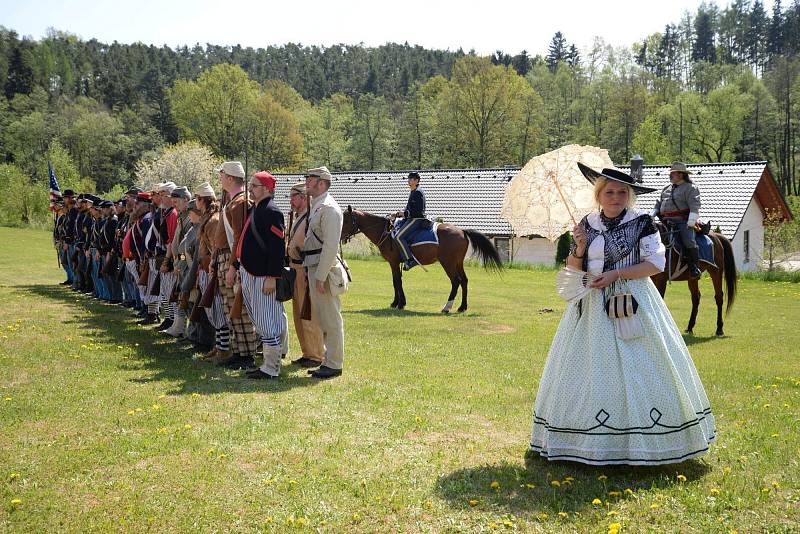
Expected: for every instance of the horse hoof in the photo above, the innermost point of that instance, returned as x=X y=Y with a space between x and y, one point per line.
x=393 y=305
x=462 y=310
x=720 y=333
x=446 y=312
x=688 y=331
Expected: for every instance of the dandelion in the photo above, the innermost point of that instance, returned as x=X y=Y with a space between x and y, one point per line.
x=597 y=502
x=493 y=526
x=495 y=485
x=15 y=503
x=681 y=478
x=543 y=516
x=615 y=526
x=767 y=405
x=775 y=435
x=530 y=486
x=268 y=519
x=555 y=483
x=473 y=502
x=162 y=396
x=612 y=513
x=156 y=407
x=356 y=516
x=628 y=491
x=7 y=399
x=566 y=482
x=13 y=476
x=602 y=478
x=302 y=521
x=654 y=506
x=776 y=485
x=614 y=493
x=714 y=492
x=428 y=505
x=417 y=419
x=131 y=412
x=568 y=479
x=222 y=456
x=187 y=426
x=508 y=523
x=758 y=386
x=211 y=450
x=562 y=514
x=290 y=520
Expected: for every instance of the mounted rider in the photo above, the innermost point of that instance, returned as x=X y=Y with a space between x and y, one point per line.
x=413 y=220
x=679 y=208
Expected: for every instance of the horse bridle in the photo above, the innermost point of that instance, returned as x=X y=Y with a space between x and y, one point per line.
x=356 y=229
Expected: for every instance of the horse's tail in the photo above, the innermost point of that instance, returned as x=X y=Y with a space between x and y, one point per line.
x=729 y=269
x=485 y=250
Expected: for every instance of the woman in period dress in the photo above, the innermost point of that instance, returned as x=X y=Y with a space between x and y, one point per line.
x=606 y=400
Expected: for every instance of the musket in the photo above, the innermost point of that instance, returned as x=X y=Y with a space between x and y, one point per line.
x=305 y=311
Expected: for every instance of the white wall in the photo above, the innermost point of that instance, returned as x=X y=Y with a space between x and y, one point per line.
x=753 y=221
x=535 y=250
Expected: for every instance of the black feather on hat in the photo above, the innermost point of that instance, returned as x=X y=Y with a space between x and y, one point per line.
x=616 y=176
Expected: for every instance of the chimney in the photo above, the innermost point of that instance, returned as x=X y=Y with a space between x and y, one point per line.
x=637 y=168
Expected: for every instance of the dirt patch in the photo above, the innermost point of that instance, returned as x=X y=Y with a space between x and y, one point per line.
x=491 y=328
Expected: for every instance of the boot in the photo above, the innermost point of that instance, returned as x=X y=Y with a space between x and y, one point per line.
x=272 y=363
x=223 y=357
x=177 y=329
x=165 y=324
x=210 y=355
x=691 y=262
x=151 y=318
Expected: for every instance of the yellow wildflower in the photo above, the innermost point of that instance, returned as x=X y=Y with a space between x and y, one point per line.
x=681 y=478
x=615 y=526
x=187 y=426
x=568 y=479
x=222 y=456
x=602 y=477
x=356 y=516
x=714 y=491
x=555 y=483
x=775 y=435
x=597 y=502
x=473 y=502
x=195 y=394
x=562 y=514
x=155 y=407
x=8 y=399
x=131 y=412
x=138 y=409
x=268 y=519
x=493 y=526
x=654 y=506
x=13 y=476
x=15 y=502
x=776 y=485
x=612 y=513
x=495 y=485
x=302 y=521
x=614 y=493
x=628 y=491
x=508 y=523
x=530 y=486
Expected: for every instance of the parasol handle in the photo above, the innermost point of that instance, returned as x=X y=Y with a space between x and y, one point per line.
x=563 y=199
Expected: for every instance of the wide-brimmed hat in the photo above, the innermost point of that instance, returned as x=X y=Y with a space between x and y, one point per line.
x=205 y=190
x=615 y=175
x=679 y=166
x=232 y=168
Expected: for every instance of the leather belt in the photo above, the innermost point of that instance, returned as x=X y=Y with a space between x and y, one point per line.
x=676 y=213
x=313 y=252
x=296 y=262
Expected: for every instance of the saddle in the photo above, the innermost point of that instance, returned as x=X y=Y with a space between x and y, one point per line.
x=425 y=232
x=674 y=246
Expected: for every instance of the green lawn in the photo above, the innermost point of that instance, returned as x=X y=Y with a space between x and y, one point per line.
x=107 y=426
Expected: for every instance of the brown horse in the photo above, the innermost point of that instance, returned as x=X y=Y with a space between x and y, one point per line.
x=726 y=267
x=450 y=252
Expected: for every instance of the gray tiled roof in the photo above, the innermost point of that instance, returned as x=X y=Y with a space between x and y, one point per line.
x=472 y=198
x=468 y=198
x=726 y=190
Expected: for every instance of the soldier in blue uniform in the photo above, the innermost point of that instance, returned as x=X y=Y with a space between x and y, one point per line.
x=679 y=208
x=413 y=218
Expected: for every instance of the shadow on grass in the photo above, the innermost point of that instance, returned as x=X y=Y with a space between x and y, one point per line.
x=528 y=490
x=693 y=339
x=393 y=312
x=165 y=358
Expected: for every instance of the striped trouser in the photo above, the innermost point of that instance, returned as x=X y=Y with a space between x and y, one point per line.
x=216 y=315
x=168 y=281
x=267 y=314
x=245 y=338
x=269 y=320
x=405 y=246
x=133 y=270
x=151 y=300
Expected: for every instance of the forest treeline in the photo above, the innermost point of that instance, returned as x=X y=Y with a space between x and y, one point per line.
x=720 y=84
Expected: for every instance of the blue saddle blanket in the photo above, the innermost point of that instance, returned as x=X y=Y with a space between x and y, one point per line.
x=424 y=231
x=705 y=248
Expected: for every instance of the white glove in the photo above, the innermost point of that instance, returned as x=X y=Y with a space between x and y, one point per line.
x=692 y=218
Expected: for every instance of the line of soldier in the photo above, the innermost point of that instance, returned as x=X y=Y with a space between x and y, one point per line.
x=208 y=273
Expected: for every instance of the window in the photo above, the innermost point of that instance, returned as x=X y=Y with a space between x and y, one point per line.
x=747 y=246
x=502 y=246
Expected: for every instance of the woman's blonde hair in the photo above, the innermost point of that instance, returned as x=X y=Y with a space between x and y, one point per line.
x=601 y=182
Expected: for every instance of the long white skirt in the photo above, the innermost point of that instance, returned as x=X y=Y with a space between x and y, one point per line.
x=603 y=400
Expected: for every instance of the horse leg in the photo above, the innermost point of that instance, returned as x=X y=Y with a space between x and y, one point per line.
x=464 y=281
x=452 y=274
x=716 y=278
x=694 y=287
x=397 y=282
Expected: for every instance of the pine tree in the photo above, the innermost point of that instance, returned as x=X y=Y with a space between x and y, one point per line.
x=756 y=35
x=573 y=56
x=703 y=47
x=775 y=32
x=557 y=52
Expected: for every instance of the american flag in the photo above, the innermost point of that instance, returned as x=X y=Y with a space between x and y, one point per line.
x=55 y=192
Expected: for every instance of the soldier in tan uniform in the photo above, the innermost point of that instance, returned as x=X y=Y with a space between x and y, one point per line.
x=320 y=256
x=308 y=332
x=245 y=341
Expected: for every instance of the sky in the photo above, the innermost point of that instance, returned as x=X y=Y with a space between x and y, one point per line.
x=511 y=26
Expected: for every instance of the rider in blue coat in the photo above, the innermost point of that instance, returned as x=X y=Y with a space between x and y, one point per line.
x=413 y=218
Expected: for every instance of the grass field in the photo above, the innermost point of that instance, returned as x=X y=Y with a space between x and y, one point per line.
x=107 y=426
